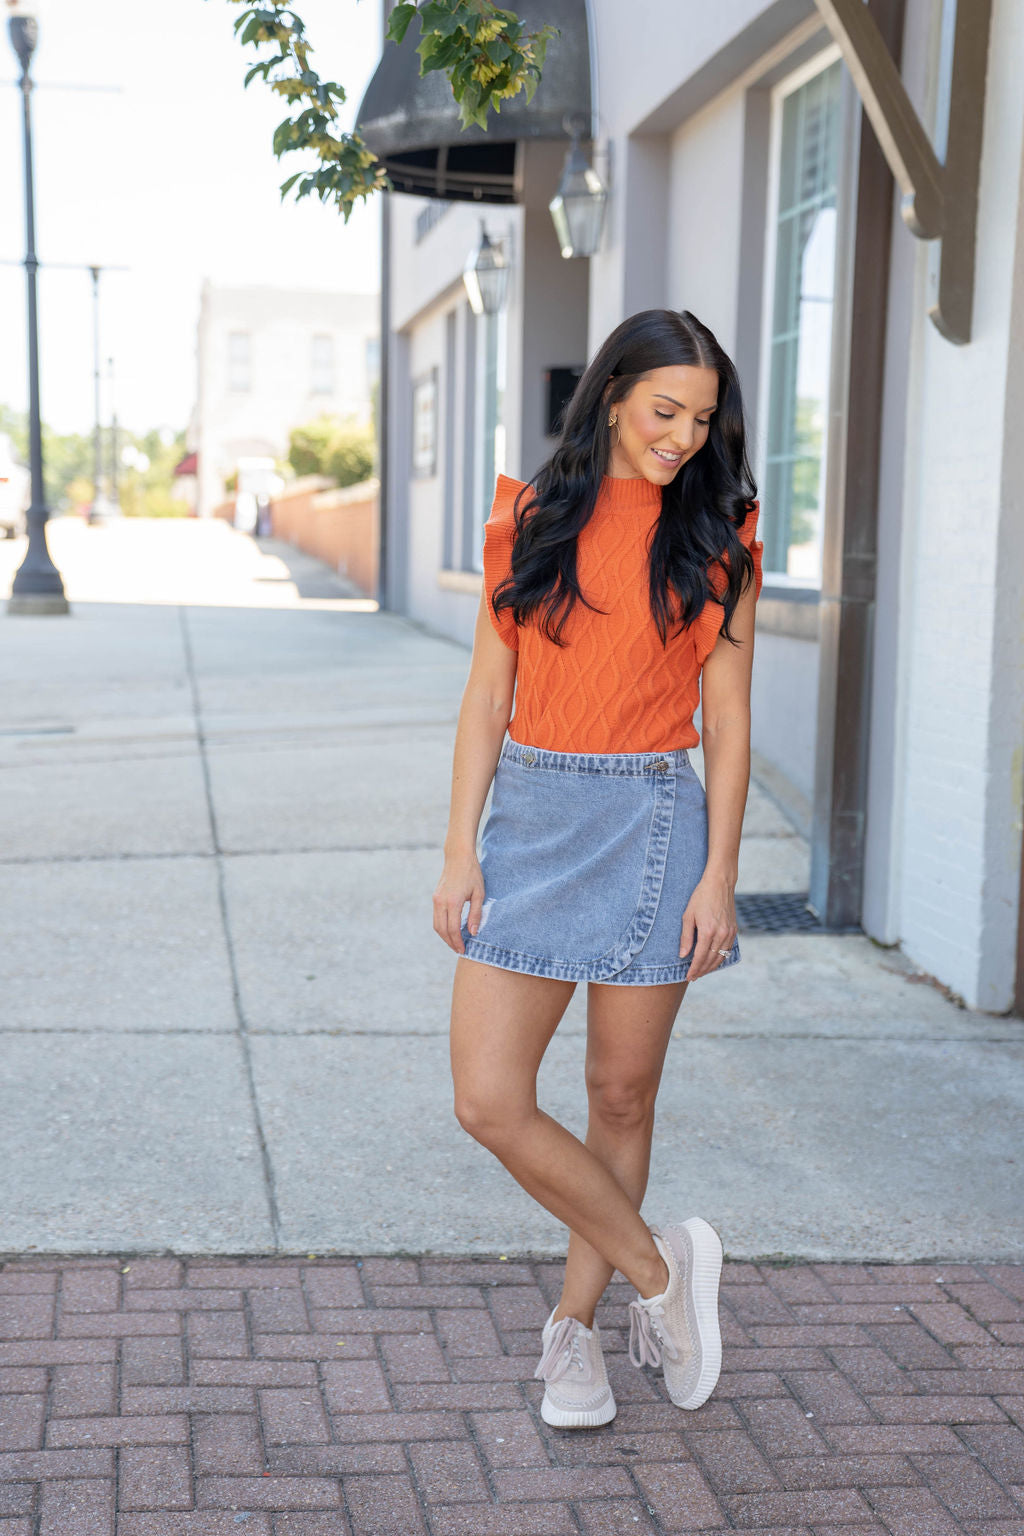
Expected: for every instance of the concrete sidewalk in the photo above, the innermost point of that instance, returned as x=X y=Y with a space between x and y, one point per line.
x=225 y=784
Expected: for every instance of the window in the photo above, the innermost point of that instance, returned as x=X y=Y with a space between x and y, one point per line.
x=430 y=215
x=322 y=365
x=489 y=425
x=372 y=361
x=798 y=343
x=424 y=425
x=239 y=362
x=451 y=352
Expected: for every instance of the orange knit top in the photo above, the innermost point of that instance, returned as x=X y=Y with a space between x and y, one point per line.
x=613 y=686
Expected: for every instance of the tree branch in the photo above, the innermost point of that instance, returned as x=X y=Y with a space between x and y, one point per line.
x=484 y=50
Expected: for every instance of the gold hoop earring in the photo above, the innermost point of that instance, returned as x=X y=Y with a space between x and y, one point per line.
x=613 y=421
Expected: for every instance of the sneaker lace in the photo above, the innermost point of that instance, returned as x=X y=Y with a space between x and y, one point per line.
x=561 y=1351
x=649 y=1339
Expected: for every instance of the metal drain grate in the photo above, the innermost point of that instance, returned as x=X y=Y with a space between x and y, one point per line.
x=780 y=912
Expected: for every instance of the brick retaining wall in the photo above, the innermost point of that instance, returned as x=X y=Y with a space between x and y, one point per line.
x=337 y=526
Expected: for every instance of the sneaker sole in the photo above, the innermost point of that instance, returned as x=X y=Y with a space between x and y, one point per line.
x=578 y=1418
x=705 y=1265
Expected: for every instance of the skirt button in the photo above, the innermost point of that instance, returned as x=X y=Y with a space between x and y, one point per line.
x=662 y=765
x=529 y=758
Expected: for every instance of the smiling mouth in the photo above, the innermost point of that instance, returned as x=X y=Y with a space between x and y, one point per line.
x=665 y=457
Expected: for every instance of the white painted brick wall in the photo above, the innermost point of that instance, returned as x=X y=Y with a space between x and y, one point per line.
x=963 y=691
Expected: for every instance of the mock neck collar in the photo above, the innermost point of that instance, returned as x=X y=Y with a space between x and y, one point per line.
x=638 y=494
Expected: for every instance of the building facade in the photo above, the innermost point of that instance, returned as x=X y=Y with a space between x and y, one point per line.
x=269 y=360
x=747 y=184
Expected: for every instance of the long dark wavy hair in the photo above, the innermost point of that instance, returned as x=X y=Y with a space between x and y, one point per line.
x=701 y=509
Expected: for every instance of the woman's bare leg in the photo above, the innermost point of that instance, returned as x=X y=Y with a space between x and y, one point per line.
x=628 y=1030
x=502 y=1022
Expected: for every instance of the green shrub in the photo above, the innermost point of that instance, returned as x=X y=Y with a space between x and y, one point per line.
x=308 y=445
x=342 y=450
x=352 y=455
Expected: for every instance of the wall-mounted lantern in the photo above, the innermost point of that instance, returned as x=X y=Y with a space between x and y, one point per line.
x=577 y=208
x=485 y=275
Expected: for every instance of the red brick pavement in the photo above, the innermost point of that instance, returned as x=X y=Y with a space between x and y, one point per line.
x=395 y=1397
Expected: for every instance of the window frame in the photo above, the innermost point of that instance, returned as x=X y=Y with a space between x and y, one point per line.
x=823 y=59
x=489 y=459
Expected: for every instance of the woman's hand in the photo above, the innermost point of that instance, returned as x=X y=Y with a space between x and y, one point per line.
x=710 y=920
x=483 y=719
x=461 y=881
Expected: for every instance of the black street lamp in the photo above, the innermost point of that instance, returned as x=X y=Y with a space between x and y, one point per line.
x=37 y=587
x=115 y=444
x=96 y=508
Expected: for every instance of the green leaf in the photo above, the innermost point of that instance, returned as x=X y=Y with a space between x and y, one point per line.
x=398 y=22
x=439 y=19
x=540 y=46
x=437 y=54
x=429 y=43
x=284 y=137
x=473 y=107
x=461 y=75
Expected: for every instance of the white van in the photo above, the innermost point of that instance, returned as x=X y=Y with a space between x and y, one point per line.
x=15 y=490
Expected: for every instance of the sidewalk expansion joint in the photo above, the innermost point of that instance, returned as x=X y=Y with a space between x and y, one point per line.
x=219 y=853
x=222 y=899
x=268 y=1032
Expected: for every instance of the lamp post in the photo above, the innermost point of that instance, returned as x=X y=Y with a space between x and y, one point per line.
x=96 y=507
x=37 y=587
x=115 y=498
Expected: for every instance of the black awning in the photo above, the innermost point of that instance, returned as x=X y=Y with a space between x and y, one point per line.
x=412 y=123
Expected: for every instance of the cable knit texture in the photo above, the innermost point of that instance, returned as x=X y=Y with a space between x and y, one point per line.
x=613 y=687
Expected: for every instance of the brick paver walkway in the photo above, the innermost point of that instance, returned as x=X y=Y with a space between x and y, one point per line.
x=394 y=1397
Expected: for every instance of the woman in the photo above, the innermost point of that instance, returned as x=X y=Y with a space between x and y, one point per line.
x=619 y=592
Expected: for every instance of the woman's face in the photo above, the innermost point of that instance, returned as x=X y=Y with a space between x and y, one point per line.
x=662 y=422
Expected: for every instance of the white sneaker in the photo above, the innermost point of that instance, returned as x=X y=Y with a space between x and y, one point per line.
x=577 y=1394
x=679 y=1329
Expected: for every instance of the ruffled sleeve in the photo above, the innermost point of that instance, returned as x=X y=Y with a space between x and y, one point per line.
x=499 y=535
x=709 y=625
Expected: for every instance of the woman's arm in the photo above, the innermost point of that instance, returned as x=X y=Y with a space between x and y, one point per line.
x=725 y=733
x=483 y=719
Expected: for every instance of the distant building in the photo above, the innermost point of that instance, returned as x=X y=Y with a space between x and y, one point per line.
x=270 y=360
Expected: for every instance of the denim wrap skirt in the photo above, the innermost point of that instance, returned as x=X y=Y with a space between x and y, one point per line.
x=589 y=861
